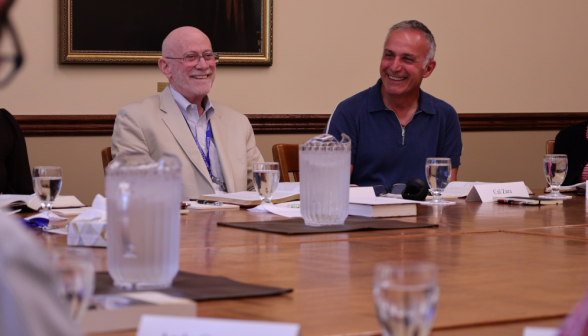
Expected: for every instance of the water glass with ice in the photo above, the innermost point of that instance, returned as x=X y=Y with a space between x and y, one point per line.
x=406 y=295
x=47 y=184
x=266 y=176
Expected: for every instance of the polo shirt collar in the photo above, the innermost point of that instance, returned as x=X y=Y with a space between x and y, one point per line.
x=375 y=101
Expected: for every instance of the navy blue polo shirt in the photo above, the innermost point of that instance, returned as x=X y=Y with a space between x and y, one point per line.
x=380 y=154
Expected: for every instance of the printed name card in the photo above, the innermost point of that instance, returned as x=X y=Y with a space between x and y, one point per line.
x=486 y=192
x=158 y=325
x=540 y=331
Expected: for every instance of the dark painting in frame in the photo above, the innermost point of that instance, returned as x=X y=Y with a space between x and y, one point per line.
x=131 y=31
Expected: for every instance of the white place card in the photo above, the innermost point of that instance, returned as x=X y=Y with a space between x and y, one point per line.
x=486 y=192
x=158 y=325
x=362 y=192
x=540 y=331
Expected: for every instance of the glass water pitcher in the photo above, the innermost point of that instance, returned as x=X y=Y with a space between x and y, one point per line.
x=324 y=179
x=143 y=211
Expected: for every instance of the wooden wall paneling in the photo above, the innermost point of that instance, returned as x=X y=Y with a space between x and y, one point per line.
x=81 y=125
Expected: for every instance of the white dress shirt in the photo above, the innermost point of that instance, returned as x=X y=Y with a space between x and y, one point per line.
x=198 y=125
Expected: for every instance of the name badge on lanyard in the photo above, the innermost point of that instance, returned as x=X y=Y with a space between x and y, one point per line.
x=206 y=157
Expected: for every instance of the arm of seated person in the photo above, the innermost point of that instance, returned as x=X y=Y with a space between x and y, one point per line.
x=127 y=135
x=453 y=174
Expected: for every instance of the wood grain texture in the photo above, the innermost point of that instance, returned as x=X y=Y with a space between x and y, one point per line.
x=491 y=281
x=82 y=125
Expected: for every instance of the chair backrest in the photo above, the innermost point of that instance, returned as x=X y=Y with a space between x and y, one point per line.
x=287 y=156
x=549 y=146
x=106 y=158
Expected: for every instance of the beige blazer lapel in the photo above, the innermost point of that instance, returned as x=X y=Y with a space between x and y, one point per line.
x=173 y=118
x=219 y=133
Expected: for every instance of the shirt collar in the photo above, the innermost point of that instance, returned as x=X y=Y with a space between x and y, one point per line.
x=184 y=105
x=376 y=102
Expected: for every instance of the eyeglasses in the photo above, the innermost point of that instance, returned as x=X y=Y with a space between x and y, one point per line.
x=11 y=58
x=195 y=58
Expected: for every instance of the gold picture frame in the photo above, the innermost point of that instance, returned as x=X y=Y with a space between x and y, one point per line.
x=88 y=35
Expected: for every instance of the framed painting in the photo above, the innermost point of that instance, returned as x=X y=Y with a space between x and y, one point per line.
x=131 y=31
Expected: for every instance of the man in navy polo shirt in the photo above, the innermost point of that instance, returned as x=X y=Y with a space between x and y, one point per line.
x=394 y=125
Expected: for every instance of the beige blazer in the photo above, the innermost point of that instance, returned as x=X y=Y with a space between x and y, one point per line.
x=156 y=126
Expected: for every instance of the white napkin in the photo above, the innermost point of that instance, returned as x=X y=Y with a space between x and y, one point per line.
x=50 y=216
x=259 y=208
x=97 y=213
x=282 y=209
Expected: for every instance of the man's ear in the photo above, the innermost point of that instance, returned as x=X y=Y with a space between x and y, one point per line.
x=164 y=67
x=429 y=68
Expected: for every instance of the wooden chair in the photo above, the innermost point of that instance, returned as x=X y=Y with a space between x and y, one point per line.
x=287 y=156
x=106 y=158
x=549 y=146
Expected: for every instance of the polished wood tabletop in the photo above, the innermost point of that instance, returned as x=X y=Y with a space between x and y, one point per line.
x=501 y=267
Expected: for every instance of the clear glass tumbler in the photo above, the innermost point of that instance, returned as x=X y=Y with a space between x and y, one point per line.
x=75 y=275
x=406 y=296
x=266 y=176
x=47 y=184
x=438 y=172
x=555 y=168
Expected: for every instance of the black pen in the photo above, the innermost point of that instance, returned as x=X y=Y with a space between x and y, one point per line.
x=215 y=203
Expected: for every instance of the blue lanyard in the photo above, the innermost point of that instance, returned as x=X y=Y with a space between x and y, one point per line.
x=206 y=157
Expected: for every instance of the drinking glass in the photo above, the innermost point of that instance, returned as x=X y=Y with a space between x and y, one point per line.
x=75 y=275
x=47 y=184
x=438 y=171
x=266 y=176
x=555 y=167
x=406 y=296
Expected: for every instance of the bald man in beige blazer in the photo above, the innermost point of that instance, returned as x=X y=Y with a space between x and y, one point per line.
x=174 y=120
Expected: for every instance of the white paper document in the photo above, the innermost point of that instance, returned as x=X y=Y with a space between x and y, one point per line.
x=540 y=331
x=194 y=205
x=486 y=192
x=252 y=195
x=380 y=200
x=459 y=188
x=290 y=209
x=157 y=325
x=292 y=187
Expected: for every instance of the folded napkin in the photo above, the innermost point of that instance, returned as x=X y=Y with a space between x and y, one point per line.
x=97 y=213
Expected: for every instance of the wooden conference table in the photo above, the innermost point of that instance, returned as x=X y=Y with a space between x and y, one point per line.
x=502 y=267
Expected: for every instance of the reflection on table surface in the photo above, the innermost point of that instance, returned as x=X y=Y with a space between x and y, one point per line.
x=501 y=267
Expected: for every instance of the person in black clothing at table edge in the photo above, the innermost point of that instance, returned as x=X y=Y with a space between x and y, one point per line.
x=573 y=141
x=15 y=172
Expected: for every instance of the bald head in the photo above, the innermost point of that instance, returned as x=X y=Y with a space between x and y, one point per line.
x=192 y=79
x=179 y=38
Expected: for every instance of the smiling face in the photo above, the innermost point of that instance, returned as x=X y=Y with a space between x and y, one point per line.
x=401 y=68
x=193 y=80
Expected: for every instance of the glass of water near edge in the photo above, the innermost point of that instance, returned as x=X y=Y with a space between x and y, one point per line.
x=47 y=183
x=406 y=295
x=75 y=277
x=555 y=168
x=438 y=172
x=266 y=176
